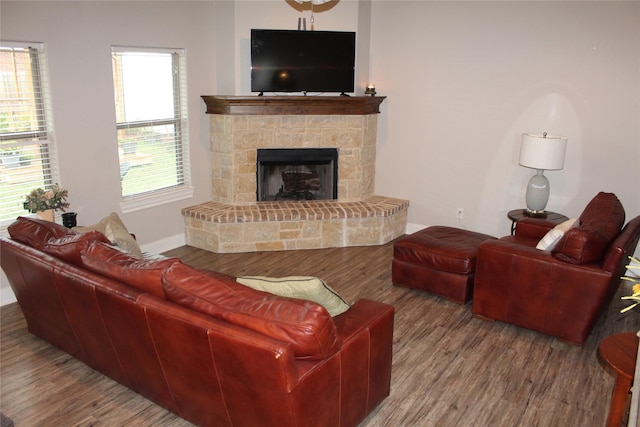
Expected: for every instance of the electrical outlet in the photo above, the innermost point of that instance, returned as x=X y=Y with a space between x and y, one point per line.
x=460 y=213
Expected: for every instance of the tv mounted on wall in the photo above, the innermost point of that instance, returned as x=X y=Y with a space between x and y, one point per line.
x=302 y=61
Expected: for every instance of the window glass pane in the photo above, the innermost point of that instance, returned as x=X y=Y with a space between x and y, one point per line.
x=146 y=86
x=148 y=159
x=19 y=107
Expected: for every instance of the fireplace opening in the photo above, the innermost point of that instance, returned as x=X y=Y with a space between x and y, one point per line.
x=297 y=174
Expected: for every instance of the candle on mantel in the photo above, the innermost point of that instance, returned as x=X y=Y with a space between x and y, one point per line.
x=371 y=90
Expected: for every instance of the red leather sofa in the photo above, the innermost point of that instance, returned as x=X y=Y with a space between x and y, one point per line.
x=210 y=350
x=559 y=292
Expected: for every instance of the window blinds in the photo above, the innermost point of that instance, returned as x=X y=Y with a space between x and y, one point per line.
x=151 y=119
x=26 y=133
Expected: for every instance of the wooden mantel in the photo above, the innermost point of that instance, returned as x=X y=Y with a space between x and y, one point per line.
x=301 y=105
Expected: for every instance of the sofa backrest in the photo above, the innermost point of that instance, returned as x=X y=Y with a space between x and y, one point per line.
x=305 y=325
x=600 y=223
x=144 y=274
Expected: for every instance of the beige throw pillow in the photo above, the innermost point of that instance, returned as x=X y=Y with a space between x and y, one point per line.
x=115 y=230
x=300 y=287
x=553 y=236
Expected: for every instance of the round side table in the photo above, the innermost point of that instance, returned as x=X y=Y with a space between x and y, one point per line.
x=619 y=352
x=518 y=214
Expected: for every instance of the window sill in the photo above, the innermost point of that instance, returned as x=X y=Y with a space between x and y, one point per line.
x=161 y=197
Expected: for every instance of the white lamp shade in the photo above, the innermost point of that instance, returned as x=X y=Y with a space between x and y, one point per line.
x=314 y=2
x=541 y=151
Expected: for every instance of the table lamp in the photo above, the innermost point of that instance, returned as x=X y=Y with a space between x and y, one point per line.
x=541 y=152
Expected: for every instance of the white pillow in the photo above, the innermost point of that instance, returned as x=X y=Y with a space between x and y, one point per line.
x=115 y=230
x=300 y=287
x=549 y=241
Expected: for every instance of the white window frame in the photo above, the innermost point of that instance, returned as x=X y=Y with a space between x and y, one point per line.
x=44 y=136
x=184 y=189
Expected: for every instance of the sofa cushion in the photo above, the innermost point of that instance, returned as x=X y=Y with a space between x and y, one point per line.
x=115 y=230
x=35 y=232
x=301 y=287
x=553 y=236
x=144 y=274
x=70 y=246
x=305 y=325
x=600 y=222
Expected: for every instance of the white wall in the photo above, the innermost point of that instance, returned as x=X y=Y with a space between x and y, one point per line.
x=465 y=79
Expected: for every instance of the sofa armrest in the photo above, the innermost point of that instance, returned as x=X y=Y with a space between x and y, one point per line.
x=533 y=228
x=364 y=313
x=366 y=330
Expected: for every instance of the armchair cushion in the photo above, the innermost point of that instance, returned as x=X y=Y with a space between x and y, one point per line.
x=600 y=222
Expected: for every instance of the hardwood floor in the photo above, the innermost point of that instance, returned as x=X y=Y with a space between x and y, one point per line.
x=449 y=368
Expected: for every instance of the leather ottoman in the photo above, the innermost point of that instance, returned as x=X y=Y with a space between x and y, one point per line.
x=438 y=259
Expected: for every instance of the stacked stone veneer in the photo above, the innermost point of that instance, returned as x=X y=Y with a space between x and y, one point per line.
x=234 y=222
x=235 y=140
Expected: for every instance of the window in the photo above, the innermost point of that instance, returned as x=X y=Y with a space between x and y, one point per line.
x=26 y=132
x=150 y=99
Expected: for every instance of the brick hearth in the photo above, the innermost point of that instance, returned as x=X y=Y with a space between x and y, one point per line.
x=276 y=226
x=234 y=222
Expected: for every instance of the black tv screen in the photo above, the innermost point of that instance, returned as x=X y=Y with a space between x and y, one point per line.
x=302 y=61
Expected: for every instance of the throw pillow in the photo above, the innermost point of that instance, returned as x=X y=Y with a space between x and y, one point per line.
x=144 y=274
x=553 y=236
x=300 y=287
x=304 y=325
x=600 y=223
x=115 y=230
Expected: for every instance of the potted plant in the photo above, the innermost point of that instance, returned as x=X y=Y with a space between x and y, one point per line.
x=44 y=202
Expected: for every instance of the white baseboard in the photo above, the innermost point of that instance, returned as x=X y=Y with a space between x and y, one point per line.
x=6 y=293
x=165 y=244
x=412 y=228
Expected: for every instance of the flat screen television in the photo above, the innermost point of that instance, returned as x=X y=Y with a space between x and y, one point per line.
x=302 y=61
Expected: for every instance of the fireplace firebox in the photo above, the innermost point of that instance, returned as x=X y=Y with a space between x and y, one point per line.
x=297 y=174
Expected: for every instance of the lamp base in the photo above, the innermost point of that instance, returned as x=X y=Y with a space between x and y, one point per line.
x=537 y=194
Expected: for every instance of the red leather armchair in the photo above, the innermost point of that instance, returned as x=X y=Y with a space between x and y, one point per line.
x=559 y=292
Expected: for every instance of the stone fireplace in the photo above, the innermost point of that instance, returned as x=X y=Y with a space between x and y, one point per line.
x=237 y=220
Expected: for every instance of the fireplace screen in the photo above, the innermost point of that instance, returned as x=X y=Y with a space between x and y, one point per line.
x=297 y=174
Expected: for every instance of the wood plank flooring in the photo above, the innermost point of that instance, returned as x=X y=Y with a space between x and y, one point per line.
x=449 y=369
